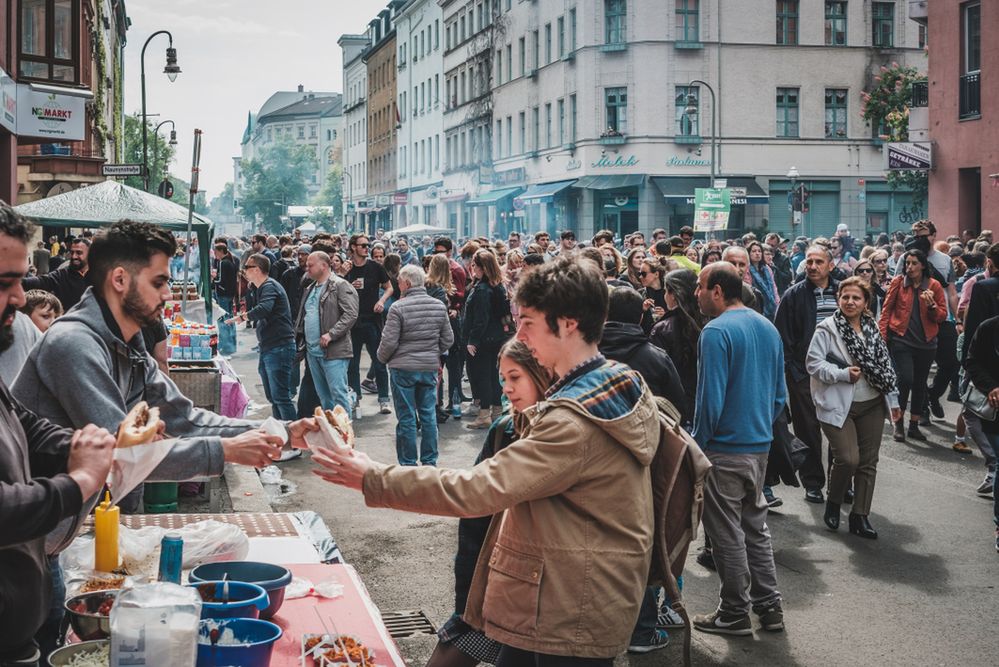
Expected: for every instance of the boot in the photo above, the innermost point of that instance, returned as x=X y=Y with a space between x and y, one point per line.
x=898 y=431
x=914 y=432
x=831 y=517
x=482 y=421
x=496 y=412
x=859 y=525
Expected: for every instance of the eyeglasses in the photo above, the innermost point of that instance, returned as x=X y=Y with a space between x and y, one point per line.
x=642 y=274
x=864 y=271
x=362 y=245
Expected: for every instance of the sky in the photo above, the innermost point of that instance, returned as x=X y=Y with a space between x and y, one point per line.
x=233 y=54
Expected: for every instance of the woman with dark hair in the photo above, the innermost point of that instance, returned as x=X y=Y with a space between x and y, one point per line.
x=853 y=386
x=653 y=291
x=483 y=332
x=634 y=260
x=763 y=279
x=524 y=383
x=710 y=256
x=910 y=319
x=679 y=331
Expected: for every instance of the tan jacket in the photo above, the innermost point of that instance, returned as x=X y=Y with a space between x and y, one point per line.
x=338 y=306
x=563 y=569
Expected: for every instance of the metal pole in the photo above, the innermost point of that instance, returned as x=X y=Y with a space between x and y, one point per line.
x=713 y=127
x=196 y=160
x=142 y=70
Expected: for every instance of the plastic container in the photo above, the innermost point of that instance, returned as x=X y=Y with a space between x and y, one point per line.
x=160 y=497
x=272 y=578
x=245 y=600
x=106 y=517
x=256 y=641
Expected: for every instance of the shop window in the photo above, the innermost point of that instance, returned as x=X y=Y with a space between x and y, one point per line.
x=687 y=124
x=617 y=110
x=787 y=112
x=883 y=21
x=615 y=21
x=835 y=113
x=835 y=23
x=50 y=33
x=787 y=22
x=688 y=20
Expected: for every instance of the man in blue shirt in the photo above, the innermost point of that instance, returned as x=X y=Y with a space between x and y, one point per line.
x=740 y=392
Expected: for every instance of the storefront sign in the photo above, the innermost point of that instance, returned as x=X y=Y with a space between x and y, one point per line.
x=50 y=115
x=8 y=102
x=908 y=156
x=384 y=200
x=711 y=209
x=510 y=176
x=619 y=161
x=401 y=198
x=573 y=165
x=687 y=161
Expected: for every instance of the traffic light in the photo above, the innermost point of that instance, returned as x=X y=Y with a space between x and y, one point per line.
x=805 y=194
x=796 y=200
x=235 y=204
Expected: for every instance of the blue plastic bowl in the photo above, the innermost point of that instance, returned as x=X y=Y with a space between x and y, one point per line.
x=256 y=639
x=272 y=578
x=245 y=600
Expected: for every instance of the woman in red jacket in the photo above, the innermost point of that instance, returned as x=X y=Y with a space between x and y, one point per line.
x=910 y=319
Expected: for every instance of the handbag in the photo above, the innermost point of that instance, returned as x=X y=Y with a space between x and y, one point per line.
x=977 y=403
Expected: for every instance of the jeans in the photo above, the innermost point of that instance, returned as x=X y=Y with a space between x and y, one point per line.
x=367 y=333
x=275 y=374
x=985 y=441
x=515 y=657
x=648 y=615
x=329 y=376
x=483 y=375
x=227 y=332
x=415 y=393
x=946 y=358
x=912 y=366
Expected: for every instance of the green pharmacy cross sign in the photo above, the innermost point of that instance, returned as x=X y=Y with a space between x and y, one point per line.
x=711 y=209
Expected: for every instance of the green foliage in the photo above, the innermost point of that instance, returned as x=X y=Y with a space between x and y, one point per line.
x=100 y=126
x=182 y=194
x=276 y=179
x=221 y=203
x=330 y=195
x=887 y=107
x=159 y=161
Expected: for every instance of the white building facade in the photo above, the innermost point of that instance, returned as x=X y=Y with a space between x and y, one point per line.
x=591 y=129
x=355 y=127
x=420 y=85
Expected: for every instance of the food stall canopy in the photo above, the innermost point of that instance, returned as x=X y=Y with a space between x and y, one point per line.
x=421 y=229
x=104 y=204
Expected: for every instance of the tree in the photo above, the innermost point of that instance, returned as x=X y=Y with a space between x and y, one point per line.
x=159 y=162
x=221 y=203
x=886 y=107
x=182 y=195
x=276 y=180
x=331 y=195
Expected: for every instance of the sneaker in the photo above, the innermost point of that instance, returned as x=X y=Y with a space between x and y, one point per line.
x=772 y=500
x=369 y=386
x=669 y=618
x=723 y=624
x=289 y=454
x=985 y=488
x=936 y=408
x=961 y=447
x=660 y=639
x=383 y=408
x=772 y=618
x=706 y=559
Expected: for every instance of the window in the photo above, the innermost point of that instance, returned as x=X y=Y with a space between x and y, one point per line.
x=522 y=48
x=615 y=21
x=836 y=113
x=787 y=22
x=616 y=100
x=437 y=151
x=301 y=131
x=561 y=36
x=509 y=62
x=548 y=43
x=687 y=124
x=509 y=135
x=787 y=112
x=922 y=36
x=572 y=29
x=499 y=67
x=548 y=125
x=437 y=89
x=572 y=117
x=835 y=23
x=687 y=20
x=561 y=122
x=312 y=131
x=49 y=40
x=883 y=20
x=537 y=50
x=972 y=28
x=536 y=127
x=522 y=130
x=499 y=138
x=437 y=34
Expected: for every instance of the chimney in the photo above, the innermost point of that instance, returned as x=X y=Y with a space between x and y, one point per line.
x=301 y=88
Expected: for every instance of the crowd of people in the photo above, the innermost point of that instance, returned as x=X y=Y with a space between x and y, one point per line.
x=565 y=347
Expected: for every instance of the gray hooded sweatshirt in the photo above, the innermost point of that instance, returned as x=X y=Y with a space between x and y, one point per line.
x=81 y=372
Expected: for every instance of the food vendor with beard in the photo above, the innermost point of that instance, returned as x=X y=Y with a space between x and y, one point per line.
x=69 y=281
x=92 y=366
x=45 y=474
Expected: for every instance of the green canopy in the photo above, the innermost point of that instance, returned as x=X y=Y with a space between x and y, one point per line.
x=104 y=204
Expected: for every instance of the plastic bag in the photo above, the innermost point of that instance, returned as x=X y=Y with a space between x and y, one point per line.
x=213 y=541
x=298 y=588
x=155 y=624
x=132 y=465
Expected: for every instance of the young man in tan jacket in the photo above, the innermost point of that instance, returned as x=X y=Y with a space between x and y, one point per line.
x=564 y=565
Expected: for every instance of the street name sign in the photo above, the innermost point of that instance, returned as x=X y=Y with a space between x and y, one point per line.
x=121 y=170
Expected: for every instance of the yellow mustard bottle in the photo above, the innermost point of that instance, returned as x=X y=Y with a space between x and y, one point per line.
x=106 y=535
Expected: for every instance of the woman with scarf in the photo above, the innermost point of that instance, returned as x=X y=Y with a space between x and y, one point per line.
x=762 y=278
x=853 y=386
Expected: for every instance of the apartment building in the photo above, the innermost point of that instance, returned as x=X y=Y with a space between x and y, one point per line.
x=355 y=123
x=383 y=118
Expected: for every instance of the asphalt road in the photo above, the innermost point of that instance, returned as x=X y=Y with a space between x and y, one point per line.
x=924 y=593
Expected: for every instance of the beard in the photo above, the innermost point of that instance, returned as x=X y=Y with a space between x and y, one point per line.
x=7 y=330
x=134 y=307
x=76 y=264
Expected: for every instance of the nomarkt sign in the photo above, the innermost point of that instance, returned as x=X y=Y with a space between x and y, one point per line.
x=50 y=115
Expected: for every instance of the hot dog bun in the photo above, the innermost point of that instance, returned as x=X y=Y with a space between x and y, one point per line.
x=140 y=425
x=335 y=426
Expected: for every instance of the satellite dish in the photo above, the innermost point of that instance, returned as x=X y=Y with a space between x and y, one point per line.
x=59 y=189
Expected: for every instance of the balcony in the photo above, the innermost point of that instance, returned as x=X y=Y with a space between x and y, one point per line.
x=688 y=45
x=688 y=139
x=614 y=46
x=970 y=96
x=613 y=139
x=919 y=10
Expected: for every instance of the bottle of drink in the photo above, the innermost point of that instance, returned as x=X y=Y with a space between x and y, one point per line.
x=106 y=535
x=171 y=558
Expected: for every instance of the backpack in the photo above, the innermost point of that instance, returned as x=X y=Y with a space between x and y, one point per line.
x=679 y=469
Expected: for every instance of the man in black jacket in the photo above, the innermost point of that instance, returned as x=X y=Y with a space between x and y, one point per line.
x=984 y=302
x=804 y=305
x=69 y=281
x=783 y=274
x=291 y=279
x=224 y=285
x=46 y=472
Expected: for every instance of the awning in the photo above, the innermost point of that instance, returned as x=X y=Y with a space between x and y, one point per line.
x=680 y=189
x=493 y=197
x=544 y=193
x=610 y=182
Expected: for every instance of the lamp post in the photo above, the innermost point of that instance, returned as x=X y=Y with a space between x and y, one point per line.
x=171 y=70
x=156 y=136
x=793 y=175
x=691 y=111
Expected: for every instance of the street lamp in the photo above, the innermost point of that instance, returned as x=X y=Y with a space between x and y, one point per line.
x=171 y=70
x=156 y=136
x=691 y=112
x=793 y=176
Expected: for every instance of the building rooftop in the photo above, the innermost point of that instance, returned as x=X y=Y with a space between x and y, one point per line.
x=328 y=105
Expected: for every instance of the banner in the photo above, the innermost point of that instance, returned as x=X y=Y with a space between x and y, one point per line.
x=50 y=115
x=712 y=207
